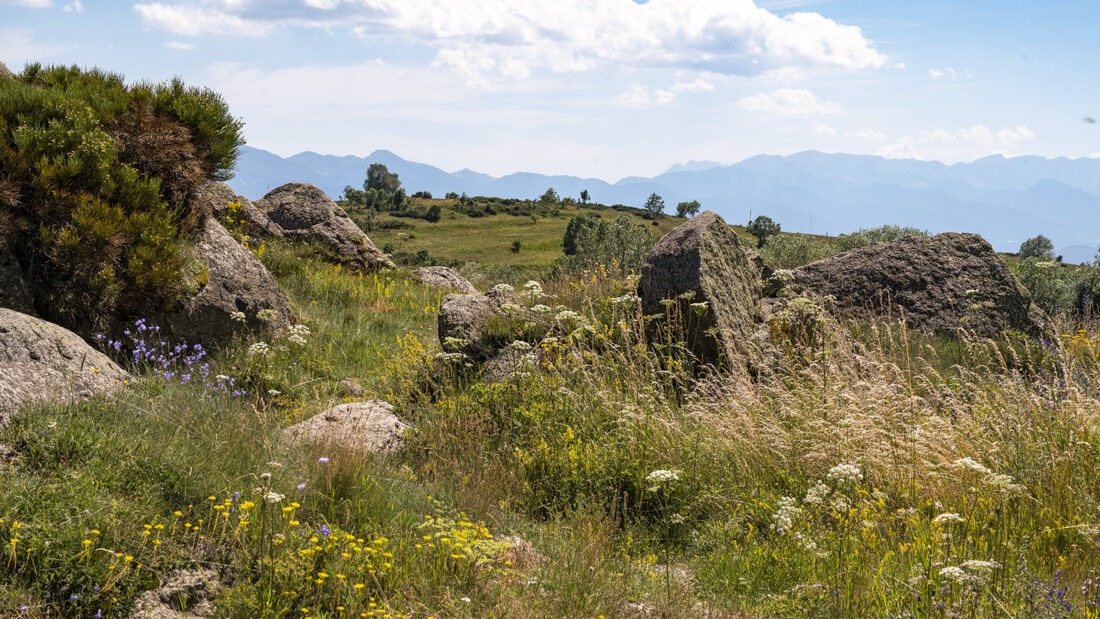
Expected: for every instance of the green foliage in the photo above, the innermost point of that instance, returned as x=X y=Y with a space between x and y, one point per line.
x=1039 y=247
x=688 y=209
x=789 y=251
x=434 y=214
x=576 y=225
x=516 y=246
x=763 y=228
x=620 y=245
x=882 y=234
x=654 y=206
x=382 y=190
x=584 y=196
x=98 y=184
x=549 y=197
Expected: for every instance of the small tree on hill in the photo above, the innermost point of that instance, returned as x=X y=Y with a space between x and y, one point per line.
x=550 y=197
x=584 y=196
x=1037 y=247
x=382 y=189
x=688 y=209
x=763 y=227
x=577 y=226
x=655 y=205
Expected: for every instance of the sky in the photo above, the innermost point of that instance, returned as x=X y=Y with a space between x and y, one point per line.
x=605 y=88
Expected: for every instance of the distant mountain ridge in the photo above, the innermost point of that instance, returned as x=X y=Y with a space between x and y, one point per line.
x=1006 y=200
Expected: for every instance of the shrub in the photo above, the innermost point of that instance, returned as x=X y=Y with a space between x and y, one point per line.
x=99 y=185
x=882 y=234
x=620 y=245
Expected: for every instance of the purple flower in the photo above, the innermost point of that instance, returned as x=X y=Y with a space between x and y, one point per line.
x=323 y=460
x=302 y=486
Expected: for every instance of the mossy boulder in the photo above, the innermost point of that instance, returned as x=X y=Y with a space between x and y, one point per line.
x=939 y=283
x=698 y=276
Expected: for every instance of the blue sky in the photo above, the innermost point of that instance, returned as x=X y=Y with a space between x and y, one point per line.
x=606 y=88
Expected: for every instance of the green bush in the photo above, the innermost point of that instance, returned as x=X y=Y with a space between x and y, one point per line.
x=98 y=187
x=882 y=234
x=620 y=245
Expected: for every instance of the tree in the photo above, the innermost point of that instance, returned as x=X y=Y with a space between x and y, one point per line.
x=584 y=196
x=655 y=204
x=1037 y=247
x=688 y=209
x=550 y=197
x=576 y=227
x=763 y=227
x=382 y=189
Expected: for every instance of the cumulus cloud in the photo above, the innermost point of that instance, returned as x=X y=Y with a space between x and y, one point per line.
x=180 y=45
x=503 y=38
x=639 y=96
x=949 y=73
x=975 y=140
x=871 y=135
x=30 y=4
x=76 y=6
x=787 y=102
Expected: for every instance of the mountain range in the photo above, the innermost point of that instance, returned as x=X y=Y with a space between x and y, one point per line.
x=1006 y=200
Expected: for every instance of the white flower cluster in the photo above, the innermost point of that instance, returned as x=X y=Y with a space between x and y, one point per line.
x=969 y=463
x=955 y=574
x=845 y=474
x=948 y=518
x=533 y=291
x=259 y=349
x=297 y=334
x=238 y=317
x=503 y=289
x=659 y=477
x=627 y=299
x=541 y=309
x=817 y=494
x=450 y=357
x=453 y=343
x=999 y=481
x=567 y=316
x=520 y=346
x=788 y=513
x=700 y=307
x=972 y=571
x=273 y=497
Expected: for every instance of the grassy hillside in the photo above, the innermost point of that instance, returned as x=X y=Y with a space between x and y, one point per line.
x=904 y=476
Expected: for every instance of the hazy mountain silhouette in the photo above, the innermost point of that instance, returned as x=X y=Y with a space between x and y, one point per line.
x=1006 y=200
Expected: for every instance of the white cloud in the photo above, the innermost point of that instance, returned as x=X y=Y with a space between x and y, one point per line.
x=871 y=135
x=30 y=4
x=76 y=6
x=179 y=45
x=788 y=102
x=1013 y=135
x=937 y=135
x=903 y=149
x=504 y=38
x=949 y=73
x=696 y=85
x=18 y=47
x=639 y=96
x=973 y=141
x=825 y=130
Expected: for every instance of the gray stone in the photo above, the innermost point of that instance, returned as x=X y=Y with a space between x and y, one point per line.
x=216 y=198
x=941 y=283
x=40 y=361
x=187 y=594
x=305 y=213
x=365 y=427
x=445 y=278
x=701 y=261
x=14 y=292
x=237 y=282
x=5 y=71
x=464 y=317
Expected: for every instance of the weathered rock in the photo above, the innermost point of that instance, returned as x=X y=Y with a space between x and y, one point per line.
x=358 y=426
x=304 y=212
x=443 y=277
x=14 y=292
x=352 y=387
x=463 y=318
x=701 y=261
x=40 y=361
x=187 y=594
x=5 y=71
x=219 y=200
x=509 y=363
x=942 y=283
x=237 y=282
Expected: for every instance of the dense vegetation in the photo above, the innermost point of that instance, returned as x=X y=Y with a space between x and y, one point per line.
x=97 y=186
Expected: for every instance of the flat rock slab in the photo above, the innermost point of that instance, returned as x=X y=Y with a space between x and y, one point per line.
x=187 y=594
x=445 y=278
x=942 y=283
x=40 y=361
x=367 y=427
x=701 y=262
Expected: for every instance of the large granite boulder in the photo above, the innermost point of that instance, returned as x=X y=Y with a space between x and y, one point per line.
x=463 y=319
x=237 y=212
x=445 y=278
x=14 y=292
x=942 y=283
x=5 y=71
x=304 y=212
x=362 y=427
x=40 y=361
x=236 y=282
x=714 y=285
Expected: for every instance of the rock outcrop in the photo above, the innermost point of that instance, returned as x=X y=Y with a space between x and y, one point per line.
x=304 y=212
x=14 y=292
x=5 y=71
x=363 y=427
x=187 y=594
x=463 y=319
x=445 y=278
x=40 y=361
x=236 y=282
x=219 y=200
x=942 y=283
x=701 y=266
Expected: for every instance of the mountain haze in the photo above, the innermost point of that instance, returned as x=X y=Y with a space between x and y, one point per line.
x=1006 y=200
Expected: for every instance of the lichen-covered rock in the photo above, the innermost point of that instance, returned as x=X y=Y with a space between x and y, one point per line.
x=187 y=594
x=14 y=292
x=302 y=211
x=364 y=427
x=463 y=319
x=236 y=282
x=445 y=278
x=941 y=283
x=5 y=71
x=237 y=212
x=40 y=361
x=716 y=287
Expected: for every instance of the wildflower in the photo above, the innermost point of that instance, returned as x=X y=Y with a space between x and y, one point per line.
x=450 y=357
x=627 y=299
x=296 y=339
x=238 y=317
x=700 y=307
x=567 y=316
x=302 y=486
x=661 y=476
x=817 y=494
x=541 y=309
x=948 y=518
x=274 y=392
x=273 y=497
x=454 y=343
x=969 y=463
x=266 y=315
x=533 y=290
x=845 y=474
x=322 y=460
x=784 y=518
x=984 y=567
x=955 y=574
x=258 y=349
x=503 y=289
x=520 y=345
